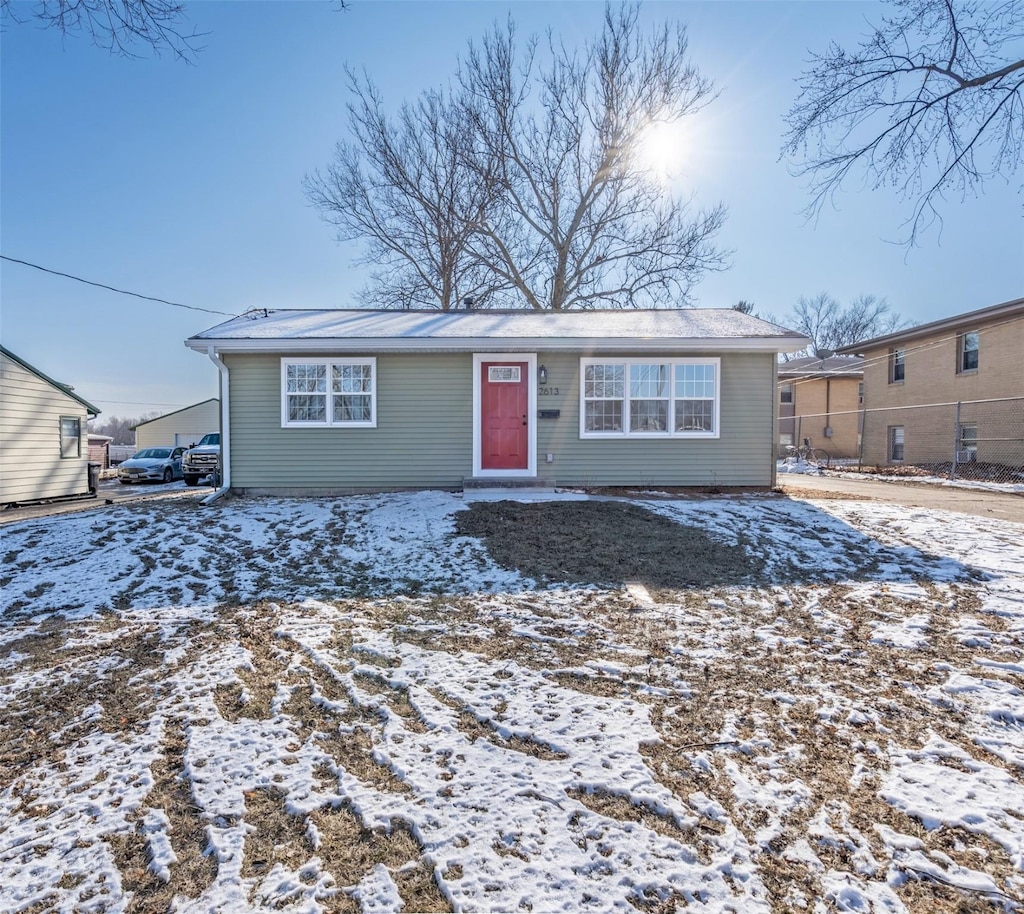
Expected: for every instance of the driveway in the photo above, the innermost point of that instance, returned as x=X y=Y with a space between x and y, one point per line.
x=979 y=502
x=111 y=492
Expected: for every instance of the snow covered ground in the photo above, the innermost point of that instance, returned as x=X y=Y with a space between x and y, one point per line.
x=342 y=705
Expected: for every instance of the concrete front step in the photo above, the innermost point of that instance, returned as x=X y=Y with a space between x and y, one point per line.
x=532 y=483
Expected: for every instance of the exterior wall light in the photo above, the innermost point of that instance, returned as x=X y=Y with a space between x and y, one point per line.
x=542 y=375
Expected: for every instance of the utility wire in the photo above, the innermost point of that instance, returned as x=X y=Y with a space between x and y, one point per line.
x=100 y=285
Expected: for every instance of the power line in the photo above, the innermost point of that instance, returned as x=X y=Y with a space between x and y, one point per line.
x=100 y=285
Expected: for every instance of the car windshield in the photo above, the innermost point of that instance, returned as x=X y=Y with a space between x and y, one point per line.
x=153 y=453
x=212 y=438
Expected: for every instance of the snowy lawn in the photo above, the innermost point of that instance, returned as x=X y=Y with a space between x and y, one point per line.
x=348 y=705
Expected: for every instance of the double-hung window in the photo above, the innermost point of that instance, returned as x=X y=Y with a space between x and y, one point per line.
x=785 y=393
x=70 y=436
x=896 y=440
x=329 y=392
x=649 y=397
x=967 y=351
x=897 y=366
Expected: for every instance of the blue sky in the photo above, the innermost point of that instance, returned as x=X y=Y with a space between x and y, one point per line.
x=185 y=182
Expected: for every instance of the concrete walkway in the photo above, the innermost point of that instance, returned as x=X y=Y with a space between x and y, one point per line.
x=111 y=492
x=979 y=502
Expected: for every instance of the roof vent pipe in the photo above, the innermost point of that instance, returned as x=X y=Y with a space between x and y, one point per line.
x=468 y=302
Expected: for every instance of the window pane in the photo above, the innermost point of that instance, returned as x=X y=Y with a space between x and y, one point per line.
x=969 y=351
x=648 y=380
x=352 y=409
x=897 y=368
x=896 y=442
x=695 y=381
x=307 y=379
x=70 y=436
x=603 y=381
x=695 y=415
x=785 y=393
x=352 y=379
x=648 y=415
x=305 y=408
x=603 y=416
x=503 y=373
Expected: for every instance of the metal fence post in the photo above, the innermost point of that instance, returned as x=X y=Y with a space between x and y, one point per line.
x=956 y=443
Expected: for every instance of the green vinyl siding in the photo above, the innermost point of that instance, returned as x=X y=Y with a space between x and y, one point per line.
x=424 y=433
x=423 y=438
x=741 y=455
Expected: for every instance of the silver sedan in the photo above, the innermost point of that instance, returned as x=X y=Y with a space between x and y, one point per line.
x=152 y=464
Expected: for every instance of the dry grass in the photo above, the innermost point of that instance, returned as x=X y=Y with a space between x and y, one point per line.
x=691 y=701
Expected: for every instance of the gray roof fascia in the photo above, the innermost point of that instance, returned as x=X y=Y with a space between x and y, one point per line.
x=1009 y=308
x=782 y=343
x=63 y=388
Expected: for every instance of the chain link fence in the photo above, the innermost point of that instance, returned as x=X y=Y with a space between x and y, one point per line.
x=972 y=439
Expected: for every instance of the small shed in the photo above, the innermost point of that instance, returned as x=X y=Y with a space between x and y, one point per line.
x=99 y=450
x=182 y=428
x=43 y=449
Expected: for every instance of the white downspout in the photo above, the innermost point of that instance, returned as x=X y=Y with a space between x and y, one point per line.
x=225 y=427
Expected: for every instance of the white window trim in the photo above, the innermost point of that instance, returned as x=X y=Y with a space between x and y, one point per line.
x=479 y=358
x=78 y=438
x=329 y=362
x=670 y=432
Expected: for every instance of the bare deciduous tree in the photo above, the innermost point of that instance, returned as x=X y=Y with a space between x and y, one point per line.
x=404 y=187
x=121 y=430
x=523 y=185
x=832 y=326
x=118 y=26
x=931 y=103
x=579 y=221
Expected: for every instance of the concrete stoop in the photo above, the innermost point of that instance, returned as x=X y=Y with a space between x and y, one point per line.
x=507 y=485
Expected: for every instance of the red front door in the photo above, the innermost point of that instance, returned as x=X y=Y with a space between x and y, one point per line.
x=504 y=424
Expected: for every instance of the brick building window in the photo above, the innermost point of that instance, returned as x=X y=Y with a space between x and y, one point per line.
x=896 y=442
x=897 y=366
x=967 y=351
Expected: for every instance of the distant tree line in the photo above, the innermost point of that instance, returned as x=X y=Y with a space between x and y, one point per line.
x=121 y=430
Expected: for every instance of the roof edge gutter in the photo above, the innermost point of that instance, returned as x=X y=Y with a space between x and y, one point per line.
x=225 y=427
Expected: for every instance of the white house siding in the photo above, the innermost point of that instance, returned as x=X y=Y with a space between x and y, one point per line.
x=31 y=467
x=424 y=433
x=184 y=427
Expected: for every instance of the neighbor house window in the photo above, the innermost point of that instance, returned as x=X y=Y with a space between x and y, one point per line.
x=860 y=394
x=650 y=397
x=786 y=393
x=968 y=444
x=896 y=442
x=967 y=351
x=70 y=436
x=785 y=439
x=897 y=365
x=328 y=392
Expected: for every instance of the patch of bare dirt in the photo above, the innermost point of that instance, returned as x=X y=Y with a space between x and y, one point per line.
x=587 y=542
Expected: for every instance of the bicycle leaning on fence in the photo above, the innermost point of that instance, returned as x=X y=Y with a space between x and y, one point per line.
x=814 y=455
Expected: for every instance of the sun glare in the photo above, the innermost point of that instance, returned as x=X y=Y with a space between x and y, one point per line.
x=662 y=149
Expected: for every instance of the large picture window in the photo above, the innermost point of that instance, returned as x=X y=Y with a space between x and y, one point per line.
x=328 y=392
x=649 y=397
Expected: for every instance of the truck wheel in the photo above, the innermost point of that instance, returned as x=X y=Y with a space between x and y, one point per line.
x=191 y=480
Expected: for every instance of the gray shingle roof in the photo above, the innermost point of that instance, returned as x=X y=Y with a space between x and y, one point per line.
x=466 y=330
